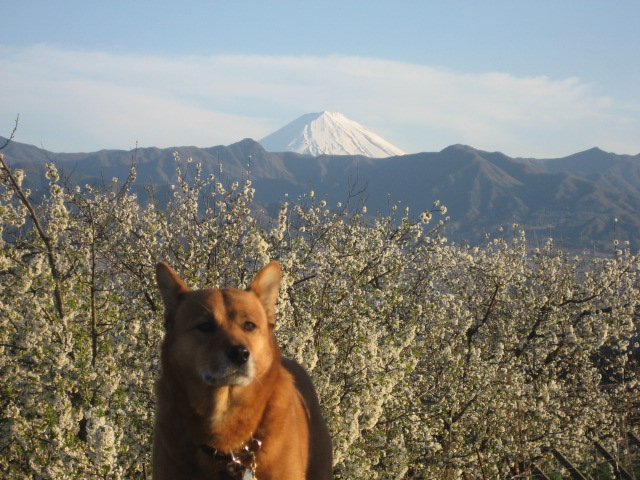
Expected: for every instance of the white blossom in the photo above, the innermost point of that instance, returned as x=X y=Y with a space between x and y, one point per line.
x=425 y=217
x=426 y=355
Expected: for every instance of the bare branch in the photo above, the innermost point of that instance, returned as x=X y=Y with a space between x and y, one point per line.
x=13 y=134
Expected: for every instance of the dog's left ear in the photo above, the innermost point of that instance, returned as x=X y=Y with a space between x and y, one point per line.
x=171 y=288
x=266 y=286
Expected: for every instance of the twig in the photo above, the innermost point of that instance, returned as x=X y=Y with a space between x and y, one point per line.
x=13 y=134
x=484 y=475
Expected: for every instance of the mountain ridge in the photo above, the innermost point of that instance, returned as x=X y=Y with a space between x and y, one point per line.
x=483 y=191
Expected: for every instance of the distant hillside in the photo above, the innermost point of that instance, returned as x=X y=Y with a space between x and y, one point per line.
x=573 y=199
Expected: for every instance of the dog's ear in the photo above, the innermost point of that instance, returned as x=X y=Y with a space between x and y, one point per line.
x=266 y=286
x=171 y=288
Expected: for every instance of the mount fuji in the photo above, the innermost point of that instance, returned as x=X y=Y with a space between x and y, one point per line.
x=328 y=133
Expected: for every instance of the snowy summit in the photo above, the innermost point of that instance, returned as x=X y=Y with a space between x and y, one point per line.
x=328 y=133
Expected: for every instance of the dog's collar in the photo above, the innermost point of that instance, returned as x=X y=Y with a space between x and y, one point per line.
x=251 y=446
x=238 y=463
x=213 y=453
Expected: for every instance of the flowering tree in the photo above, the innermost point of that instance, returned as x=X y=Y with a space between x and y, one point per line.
x=431 y=360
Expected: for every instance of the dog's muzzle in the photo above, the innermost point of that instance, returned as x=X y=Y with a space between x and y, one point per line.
x=235 y=368
x=238 y=354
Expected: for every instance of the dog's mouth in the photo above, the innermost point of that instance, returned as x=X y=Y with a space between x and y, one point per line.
x=229 y=375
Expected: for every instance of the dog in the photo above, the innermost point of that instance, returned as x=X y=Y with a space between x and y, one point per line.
x=228 y=405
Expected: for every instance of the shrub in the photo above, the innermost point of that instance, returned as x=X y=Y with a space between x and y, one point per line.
x=432 y=360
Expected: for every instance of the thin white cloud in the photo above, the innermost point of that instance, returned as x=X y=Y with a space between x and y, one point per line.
x=72 y=100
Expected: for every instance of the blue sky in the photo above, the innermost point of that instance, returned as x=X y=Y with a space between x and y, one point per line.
x=526 y=78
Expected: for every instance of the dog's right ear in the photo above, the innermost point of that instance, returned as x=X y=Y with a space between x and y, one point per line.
x=171 y=288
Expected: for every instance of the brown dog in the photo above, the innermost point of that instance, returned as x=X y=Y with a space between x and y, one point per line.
x=228 y=406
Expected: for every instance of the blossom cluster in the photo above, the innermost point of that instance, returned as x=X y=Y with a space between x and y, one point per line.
x=431 y=360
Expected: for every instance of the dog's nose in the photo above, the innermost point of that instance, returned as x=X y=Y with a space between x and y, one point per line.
x=238 y=354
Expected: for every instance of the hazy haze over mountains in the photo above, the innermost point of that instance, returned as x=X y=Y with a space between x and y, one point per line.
x=328 y=133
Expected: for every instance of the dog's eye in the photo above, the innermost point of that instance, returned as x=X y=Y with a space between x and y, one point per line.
x=248 y=326
x=206 y=327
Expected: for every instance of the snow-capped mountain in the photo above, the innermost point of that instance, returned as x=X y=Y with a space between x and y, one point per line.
x=328 y=133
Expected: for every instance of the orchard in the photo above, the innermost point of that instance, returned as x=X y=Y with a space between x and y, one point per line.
x=432 y=360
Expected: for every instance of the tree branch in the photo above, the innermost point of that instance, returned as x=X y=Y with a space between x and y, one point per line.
x=51 y=255
x=13 y=134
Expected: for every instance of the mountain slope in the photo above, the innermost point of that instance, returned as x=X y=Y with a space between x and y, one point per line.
x=483 y=191
x=328 y=133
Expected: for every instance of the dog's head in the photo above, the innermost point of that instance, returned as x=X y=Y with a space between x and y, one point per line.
x=219 y=337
